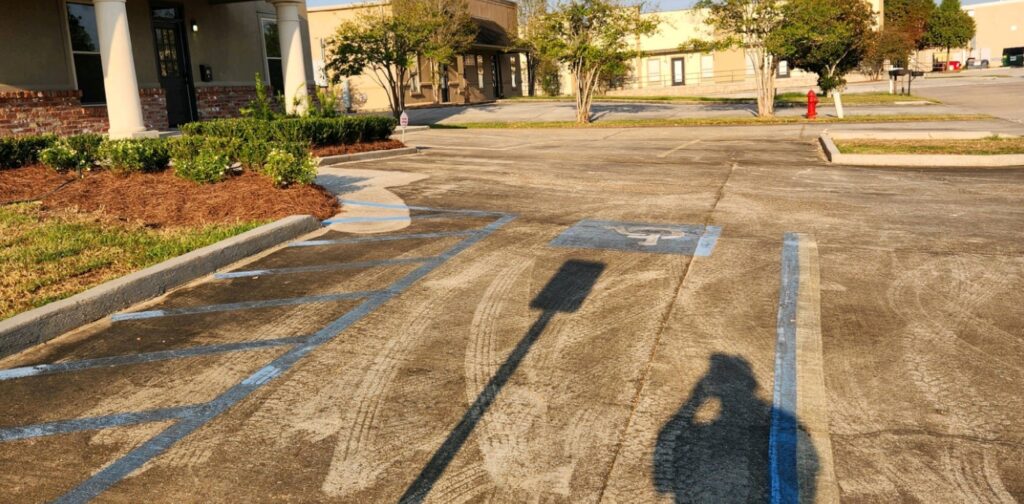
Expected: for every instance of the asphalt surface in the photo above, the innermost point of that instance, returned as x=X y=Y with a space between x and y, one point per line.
x=541 y=111
x=878 y=313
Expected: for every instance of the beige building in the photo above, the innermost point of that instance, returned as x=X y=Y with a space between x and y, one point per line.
x=665 y=69
x=491 y=69
x=1000 y=26
x=132 y=66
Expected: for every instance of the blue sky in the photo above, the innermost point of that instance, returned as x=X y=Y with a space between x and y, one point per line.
x=662 y=4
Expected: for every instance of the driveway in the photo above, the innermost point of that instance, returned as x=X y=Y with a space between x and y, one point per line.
x=607 y=111
x=615 y=315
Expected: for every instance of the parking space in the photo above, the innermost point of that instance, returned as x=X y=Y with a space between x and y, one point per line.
x=686 y=315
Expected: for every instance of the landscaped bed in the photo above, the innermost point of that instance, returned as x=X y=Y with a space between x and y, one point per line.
x=163 y=200
x=984 y=146
x=80 y=210
x=47 y=255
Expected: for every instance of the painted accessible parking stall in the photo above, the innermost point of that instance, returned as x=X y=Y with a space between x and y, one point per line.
x=644 y=329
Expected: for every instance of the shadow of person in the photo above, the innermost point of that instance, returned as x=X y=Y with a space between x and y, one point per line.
x=715 y=449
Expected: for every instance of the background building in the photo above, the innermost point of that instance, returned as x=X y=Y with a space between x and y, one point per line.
x=490 y=70
x=68 y=66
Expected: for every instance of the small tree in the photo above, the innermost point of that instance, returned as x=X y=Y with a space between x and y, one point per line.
x=904 y=30
x=453 y=33
x=594 y=38
x=530 y=20
x=827 y=37
x=384 y=43
x=949 y=26
x=749 y=25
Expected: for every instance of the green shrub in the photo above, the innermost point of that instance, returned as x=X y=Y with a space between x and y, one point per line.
x=262 y=107
x=188 y=146
x=316 y=131
x=286 y=168
x=128 y=156
x=75 y=152
x=16 y=152
x=254 y=154
x=206 y=166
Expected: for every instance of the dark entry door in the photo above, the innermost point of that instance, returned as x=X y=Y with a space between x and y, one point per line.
x=173 y=65
x=496 y=76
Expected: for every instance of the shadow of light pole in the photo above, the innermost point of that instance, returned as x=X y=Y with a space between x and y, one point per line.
x=565 y=292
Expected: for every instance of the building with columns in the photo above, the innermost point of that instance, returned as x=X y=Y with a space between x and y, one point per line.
x=490 y=70
x=132 y=67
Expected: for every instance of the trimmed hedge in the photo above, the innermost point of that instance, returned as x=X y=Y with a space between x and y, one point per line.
x=16 y=152
x=316 y=131
x=134 y=155
x=75 y=152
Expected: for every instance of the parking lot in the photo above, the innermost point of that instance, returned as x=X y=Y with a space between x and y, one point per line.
x=619 y=315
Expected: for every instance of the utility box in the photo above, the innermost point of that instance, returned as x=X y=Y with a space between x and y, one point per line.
x=1013 y=57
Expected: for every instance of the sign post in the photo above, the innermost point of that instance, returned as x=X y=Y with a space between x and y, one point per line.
x=403 y=121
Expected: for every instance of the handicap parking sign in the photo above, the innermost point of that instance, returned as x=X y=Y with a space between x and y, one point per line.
x=682 y=239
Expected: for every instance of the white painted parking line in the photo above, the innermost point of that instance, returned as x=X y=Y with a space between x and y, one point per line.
x=678 y=148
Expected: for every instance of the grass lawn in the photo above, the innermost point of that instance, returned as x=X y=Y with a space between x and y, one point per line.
x=717 y=121
x=984 y=146
x=47 y=256
x=873 y=98
x=870 y=98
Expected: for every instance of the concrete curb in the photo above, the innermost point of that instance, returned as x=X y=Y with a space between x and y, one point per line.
x=364 y=156
x=47 y=322
x=918 y=160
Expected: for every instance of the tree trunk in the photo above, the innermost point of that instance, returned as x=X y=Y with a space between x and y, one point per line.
x=531 y=75
x=435 y=81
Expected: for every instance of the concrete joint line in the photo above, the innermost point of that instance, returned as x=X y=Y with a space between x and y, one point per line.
x=800 y=450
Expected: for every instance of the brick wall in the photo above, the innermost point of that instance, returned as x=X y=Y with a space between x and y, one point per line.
x=62 y=112
x=218 y=102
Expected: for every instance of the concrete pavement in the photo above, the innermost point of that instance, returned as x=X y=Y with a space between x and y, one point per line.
x=859 y=327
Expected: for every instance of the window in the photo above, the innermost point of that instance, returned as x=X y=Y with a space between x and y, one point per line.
x=783 y=69
x=480 y=71
x=653 y=70
x=85 y=51
x=707 y=66
x=512 y=64
x=272 y=45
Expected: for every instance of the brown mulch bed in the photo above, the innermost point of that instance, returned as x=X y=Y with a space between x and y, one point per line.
x=164 y=200
x=336 y=150
x=29 y=183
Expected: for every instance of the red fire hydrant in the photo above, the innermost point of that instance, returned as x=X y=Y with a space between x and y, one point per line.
x=812 y=105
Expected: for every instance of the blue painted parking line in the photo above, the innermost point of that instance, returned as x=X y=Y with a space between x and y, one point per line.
x=95 y=423
x=320 y=267
x=682 y=239
x=197 y=417
x=145 y=358
x=244 y=305
x=782 y=439
x=381 y=238
x=707 y=241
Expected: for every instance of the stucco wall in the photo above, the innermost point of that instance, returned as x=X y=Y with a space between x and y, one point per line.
x=28 y=60
x=36 y=53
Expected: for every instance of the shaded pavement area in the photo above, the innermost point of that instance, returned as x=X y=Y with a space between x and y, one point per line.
x=641 y=315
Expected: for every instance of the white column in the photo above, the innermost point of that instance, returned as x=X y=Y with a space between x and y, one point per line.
x=124 y=108
x=292 y=60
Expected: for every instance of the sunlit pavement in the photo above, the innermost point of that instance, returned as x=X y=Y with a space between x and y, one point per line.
x=692 y=315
